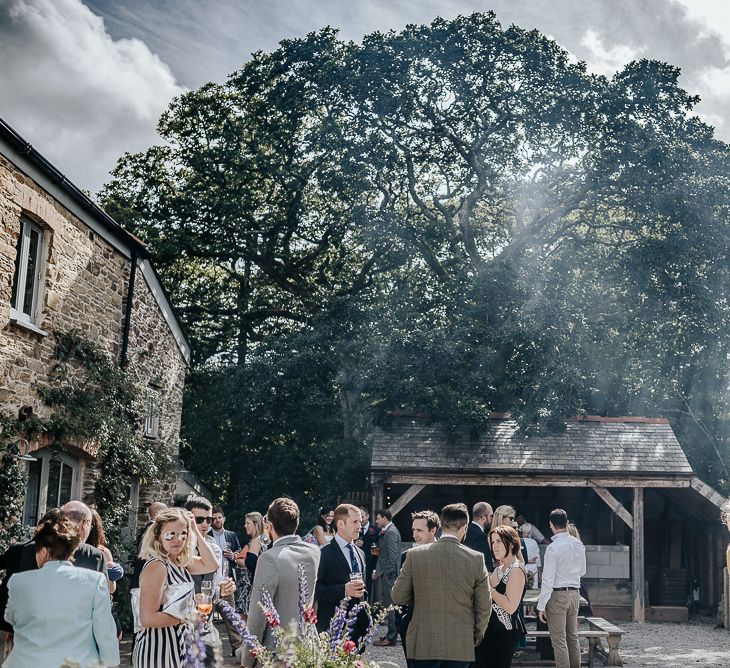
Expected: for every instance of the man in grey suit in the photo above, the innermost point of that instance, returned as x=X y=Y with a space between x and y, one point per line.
x=447 y=585
x=387 y=569
x=277 y=571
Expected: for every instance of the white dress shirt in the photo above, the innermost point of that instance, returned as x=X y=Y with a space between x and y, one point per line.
x=345 y=550
x=565 y=564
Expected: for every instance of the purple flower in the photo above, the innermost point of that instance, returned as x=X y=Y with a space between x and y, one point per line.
x=195 y=650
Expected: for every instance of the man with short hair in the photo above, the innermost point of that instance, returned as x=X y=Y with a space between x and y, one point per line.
x=449 y=582
x=341 y=561
x=226 y=540
x=387 y=569
x=368 y=540
x=202 y=510
x=565 y=564
x=424 y=525
x=277 y=572
x=154 y=508
x=535 y=533
x=476 y=533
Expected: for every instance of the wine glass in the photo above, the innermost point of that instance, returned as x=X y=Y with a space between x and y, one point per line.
x=206 y=588
x=204 y=603
x=264 y=540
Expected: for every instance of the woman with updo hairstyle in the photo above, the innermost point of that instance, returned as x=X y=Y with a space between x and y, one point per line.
x=508 y=582
x=60 y=611
x=168 y=548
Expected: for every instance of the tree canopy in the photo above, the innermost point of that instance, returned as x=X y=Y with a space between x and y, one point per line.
x=455 y=219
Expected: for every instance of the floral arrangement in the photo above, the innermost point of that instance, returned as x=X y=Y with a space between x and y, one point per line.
x=299 y=645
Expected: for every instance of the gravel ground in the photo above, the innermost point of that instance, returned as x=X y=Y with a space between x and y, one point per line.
x=696 y=643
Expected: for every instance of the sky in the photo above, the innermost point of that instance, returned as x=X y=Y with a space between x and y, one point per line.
x=86 y=81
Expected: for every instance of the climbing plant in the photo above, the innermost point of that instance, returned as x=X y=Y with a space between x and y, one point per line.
x=97 y=405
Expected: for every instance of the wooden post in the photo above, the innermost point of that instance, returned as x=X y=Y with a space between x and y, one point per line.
x=726 y=598
x=377 y=497
x=637 y=556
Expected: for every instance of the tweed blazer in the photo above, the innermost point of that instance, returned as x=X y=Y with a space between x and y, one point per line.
x=446 y=583
x=277 y=572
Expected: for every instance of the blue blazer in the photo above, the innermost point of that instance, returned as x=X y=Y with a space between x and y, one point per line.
x=60 y=612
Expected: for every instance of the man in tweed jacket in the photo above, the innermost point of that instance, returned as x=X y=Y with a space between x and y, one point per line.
x=447 y=585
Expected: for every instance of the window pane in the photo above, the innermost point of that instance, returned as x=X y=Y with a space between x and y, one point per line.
x=32 y=491
x=54 y=479
x=31 y=271
x=64 y=493
x=17 y=289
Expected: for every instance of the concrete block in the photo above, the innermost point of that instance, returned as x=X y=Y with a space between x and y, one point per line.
x=612 y=572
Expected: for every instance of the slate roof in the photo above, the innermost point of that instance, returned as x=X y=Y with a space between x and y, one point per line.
x=588 y=444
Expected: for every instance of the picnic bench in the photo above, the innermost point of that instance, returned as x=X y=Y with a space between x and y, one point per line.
x=594 y=637
x=613 y=658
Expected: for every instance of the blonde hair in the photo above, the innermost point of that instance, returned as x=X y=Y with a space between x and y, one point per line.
x=573 y=530
x=257 y=519
x=152 y=547
x=499 y=514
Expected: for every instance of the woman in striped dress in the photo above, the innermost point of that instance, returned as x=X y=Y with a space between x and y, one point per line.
x=168 y=547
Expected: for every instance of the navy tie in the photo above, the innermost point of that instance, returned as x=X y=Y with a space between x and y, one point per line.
x=354 y=563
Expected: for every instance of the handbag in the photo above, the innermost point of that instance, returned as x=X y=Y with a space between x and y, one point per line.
x=178 y=600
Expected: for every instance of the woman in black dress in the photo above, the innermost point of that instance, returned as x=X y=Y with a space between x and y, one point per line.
x=508 y=582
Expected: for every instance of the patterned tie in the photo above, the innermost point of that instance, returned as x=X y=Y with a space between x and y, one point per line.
x=354 y=563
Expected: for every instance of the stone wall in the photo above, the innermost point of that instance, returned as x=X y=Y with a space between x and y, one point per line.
x=84 y=289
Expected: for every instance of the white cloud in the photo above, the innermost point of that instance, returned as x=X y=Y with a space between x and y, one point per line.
x=80 y=97
x=606 y=60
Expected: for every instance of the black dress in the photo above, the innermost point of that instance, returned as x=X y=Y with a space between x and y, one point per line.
x=504 y=630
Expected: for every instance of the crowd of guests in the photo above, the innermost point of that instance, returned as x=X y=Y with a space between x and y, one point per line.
x=459 y=589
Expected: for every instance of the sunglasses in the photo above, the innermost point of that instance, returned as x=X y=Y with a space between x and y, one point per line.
x=170 y=535
x=200 y=520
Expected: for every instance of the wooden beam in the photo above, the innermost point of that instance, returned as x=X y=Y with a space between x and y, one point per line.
x=637 y=557
x=521 y=480
x=712 y=495
x=614 y=504
x=402 y=501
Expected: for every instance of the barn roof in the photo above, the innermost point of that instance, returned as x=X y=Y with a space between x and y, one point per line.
x=615 y=446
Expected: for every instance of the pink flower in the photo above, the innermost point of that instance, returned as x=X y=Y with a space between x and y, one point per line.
x=272 y=619
x=348 y=646
x=310 y=616
x=359 y=664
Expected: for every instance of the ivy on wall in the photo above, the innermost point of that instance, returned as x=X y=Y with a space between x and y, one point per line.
x=97 y=405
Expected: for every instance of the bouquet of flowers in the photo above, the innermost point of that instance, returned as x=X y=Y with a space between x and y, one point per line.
x=300 y=645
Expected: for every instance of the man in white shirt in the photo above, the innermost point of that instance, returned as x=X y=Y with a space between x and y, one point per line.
x=565 y=564
x=533 y=553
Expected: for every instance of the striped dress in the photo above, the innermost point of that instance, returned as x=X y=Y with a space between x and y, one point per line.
x=162 y=647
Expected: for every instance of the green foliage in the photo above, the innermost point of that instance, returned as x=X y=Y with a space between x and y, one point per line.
x=12 y=484
x=454 y=219
x=94 y=404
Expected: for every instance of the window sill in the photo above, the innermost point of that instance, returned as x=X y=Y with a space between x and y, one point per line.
x=20 y=321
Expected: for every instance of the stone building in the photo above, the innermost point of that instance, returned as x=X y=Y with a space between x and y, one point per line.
x=65 y=265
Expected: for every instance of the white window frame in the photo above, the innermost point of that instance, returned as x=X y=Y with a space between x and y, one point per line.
x=21 y=279
x=45 y=456
x=152 y=415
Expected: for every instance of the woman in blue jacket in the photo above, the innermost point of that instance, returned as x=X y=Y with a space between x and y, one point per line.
x=60 y=612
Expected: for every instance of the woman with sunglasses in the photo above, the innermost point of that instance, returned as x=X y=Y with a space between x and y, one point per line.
x=168 y=548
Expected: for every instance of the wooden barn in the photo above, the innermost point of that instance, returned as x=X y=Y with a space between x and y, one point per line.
x=654 y=541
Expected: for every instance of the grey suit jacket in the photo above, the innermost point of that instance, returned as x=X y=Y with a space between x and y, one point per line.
x=446 y=583
x=276 y=571
x=389 y=557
